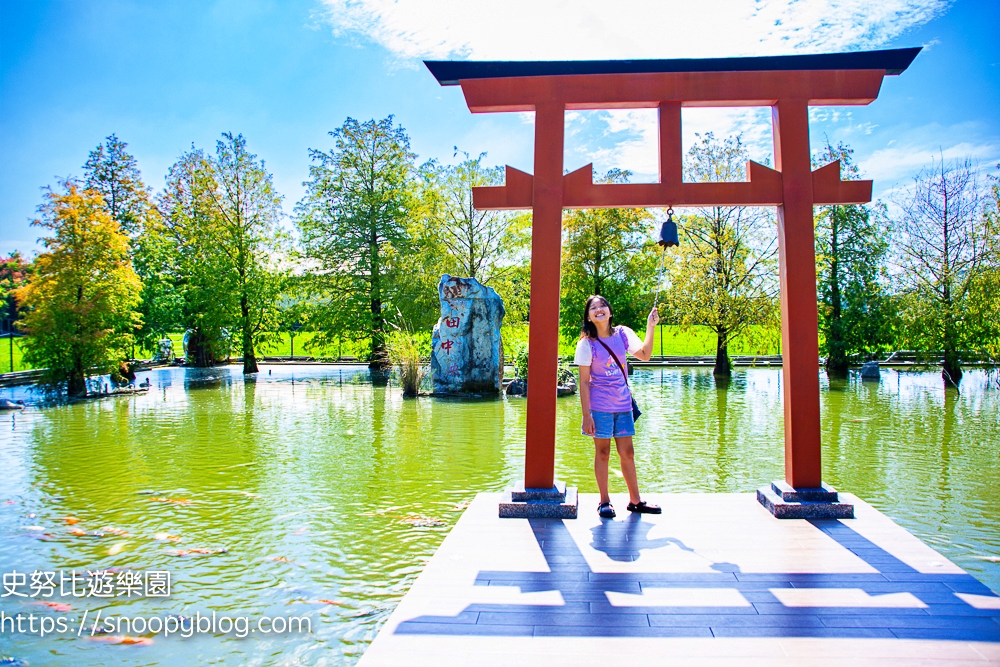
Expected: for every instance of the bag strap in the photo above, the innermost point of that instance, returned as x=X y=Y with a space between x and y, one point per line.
x=615 y=357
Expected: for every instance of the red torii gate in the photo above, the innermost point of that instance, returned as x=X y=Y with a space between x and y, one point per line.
x=787 y=84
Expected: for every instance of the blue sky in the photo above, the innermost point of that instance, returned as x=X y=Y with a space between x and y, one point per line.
x=166 y=75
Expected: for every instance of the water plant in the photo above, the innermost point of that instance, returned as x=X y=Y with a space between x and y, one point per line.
x=404 y=353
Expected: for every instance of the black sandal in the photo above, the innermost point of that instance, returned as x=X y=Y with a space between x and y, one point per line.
x=606 y=511
x=642 y=507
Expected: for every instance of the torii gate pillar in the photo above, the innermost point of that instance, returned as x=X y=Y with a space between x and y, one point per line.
x=787 y=84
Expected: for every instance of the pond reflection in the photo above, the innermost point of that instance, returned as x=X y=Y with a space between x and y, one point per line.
x=314 y=493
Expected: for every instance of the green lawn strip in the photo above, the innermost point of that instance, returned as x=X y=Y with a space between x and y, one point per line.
x=677 y=342
x=19 y=365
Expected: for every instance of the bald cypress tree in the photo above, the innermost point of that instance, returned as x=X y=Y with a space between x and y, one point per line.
x=852 y=246
x=80 y=302
x=352 y=222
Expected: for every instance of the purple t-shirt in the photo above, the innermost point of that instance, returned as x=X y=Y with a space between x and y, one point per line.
x=608 y=390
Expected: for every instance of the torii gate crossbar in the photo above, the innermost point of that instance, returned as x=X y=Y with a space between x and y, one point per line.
x=787 y=84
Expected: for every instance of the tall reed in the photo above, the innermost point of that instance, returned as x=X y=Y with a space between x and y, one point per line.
x=404 y=353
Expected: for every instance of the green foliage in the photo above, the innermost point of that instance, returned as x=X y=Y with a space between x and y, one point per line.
x=420 y=257
x=607 y=252
x=984 y=296
x=943 y=249
x=514 y=286
x=852 y=246
x=480 y=244
x=981 y=312
x=80 y=303
x=192 y=262
x=294 y=311
x=447 y=235
x=519 y=360
x=353 y=225
x=154 y=257
x=246 y=208
x=14 y=274
x=722 y=275
x=216 y=255
x=113 y=173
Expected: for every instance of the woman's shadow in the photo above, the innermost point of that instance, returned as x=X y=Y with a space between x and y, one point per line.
x=624 y=540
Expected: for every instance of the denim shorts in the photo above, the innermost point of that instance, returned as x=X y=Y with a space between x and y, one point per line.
x=612 y=424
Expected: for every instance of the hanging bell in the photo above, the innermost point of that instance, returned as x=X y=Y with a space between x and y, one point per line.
x=668 y=232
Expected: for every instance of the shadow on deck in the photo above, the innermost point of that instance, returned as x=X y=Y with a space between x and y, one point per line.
x=927 y=606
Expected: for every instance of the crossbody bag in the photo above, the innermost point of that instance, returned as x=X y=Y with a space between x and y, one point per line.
x=636 y=412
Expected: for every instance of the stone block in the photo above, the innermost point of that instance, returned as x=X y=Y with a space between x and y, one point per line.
x=466 y=354
x=870 y=371
x=540 y=509
x=802 y=509
x=824 y=494
x=556 y=494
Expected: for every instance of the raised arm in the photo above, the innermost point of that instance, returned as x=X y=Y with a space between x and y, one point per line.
x=646 y=351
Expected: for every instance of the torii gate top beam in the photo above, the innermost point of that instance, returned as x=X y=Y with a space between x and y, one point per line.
x=451 y=72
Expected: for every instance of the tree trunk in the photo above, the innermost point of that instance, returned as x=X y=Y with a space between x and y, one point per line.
x=77 y=383
x=378 y=364
x=951 y=371
x=836 y=348
x=249 y=357
x=722 y=365
x=199 y=353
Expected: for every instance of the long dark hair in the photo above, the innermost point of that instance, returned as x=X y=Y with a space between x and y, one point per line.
x=589 y=329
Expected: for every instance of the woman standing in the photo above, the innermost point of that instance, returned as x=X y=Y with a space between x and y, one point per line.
x=606 y=398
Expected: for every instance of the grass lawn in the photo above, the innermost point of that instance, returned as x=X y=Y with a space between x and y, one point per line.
x=693 y=342
x=281 y=347
x=701 y=341
x=696 y=341
x=5 y=365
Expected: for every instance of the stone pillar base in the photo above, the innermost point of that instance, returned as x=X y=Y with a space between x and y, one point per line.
x=558 y=502
x=785 y=502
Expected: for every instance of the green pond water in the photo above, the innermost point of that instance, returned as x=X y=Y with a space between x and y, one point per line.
x=320 y=487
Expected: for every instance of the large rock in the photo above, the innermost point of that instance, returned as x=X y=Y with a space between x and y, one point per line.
x=870 y=371
x=465 y=345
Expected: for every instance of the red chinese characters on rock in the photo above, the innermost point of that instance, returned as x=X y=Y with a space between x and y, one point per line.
x=446 y=345
x=452 y=322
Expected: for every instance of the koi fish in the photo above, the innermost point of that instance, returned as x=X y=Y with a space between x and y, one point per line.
x=166 y=536
x=173 y=501
x=186 y=552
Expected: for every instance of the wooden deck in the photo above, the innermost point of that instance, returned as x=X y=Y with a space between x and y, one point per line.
x=714 y=580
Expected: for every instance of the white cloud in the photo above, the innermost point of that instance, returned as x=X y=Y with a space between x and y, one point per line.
x=623 y=138
x=628 y=138
x=893 y=163
x=595 y=29
x=753 y=124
